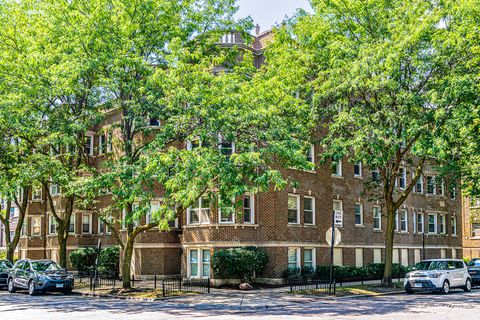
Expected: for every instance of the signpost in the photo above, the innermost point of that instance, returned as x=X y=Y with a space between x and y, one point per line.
x=333 y=238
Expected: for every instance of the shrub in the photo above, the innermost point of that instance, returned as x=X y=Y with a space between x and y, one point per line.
x=239 y=263
x=83 y=260
x=3 y=254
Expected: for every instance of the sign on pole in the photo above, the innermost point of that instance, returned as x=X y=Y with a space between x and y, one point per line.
x=337 y=237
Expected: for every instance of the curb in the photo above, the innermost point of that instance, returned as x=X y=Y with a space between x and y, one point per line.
x=368 y=295
x=109 y=296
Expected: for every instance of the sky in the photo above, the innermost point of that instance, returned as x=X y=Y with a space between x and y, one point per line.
x=268 y=12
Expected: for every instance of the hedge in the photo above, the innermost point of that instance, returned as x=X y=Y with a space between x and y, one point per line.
x=239 y=263
x=83 y=260
x=373 y=271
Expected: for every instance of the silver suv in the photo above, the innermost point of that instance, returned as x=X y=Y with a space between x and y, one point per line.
x=438 y=275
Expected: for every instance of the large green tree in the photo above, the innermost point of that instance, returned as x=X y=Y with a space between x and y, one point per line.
x=385 y=77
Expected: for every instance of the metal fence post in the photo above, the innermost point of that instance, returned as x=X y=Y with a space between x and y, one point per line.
x=163 y=288
x=180 y=284
x=91 y=284
x=208 y=285
x=155 y=282
x=133 y=280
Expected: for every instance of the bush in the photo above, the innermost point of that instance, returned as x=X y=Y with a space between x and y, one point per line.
x=239 y=263
x=83 y=260
x=3 y=254
x=344 y=273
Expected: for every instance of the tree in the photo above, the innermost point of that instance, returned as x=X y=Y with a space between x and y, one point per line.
x=386 y=77
x=172 y=82
x=51 y=77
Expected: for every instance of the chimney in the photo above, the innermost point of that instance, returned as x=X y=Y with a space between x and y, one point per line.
x=257 y=29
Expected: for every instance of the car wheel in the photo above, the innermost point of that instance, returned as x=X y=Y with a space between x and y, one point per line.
x=445 y=287
x=409 y=291
x=31 y=288
x=11 y=286
x=468 y=286
x=67 y=291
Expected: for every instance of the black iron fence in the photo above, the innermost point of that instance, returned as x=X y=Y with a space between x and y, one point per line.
x=168 y=287
x=319 y=286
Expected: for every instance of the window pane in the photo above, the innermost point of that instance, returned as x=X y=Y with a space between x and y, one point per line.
x=247 y=210
x=358 y=213
x=292 y=209
x=308 y=210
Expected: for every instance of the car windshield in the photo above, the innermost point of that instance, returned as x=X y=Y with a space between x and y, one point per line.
x=432 y=265
x=45 y=266
x=474 y=263
x=4 y=264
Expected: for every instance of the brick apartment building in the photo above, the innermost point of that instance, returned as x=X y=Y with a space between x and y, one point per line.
x=290 y=225
x=471 y=228
x=13 y=223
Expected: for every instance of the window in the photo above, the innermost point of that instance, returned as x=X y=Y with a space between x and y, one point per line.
x=293 y=258
x=199 y=212
x=109 y=142
x=309 y=258
x=23 y=231
x=309 y=210
x=357 y=169
x=359 y=257
x=311 y=154
x=86 y=223
x=475 y=230
x=71 y=227
x=453 y=192
x=12 y=212
x=154 y=122
x=248 y=212
x=443 y=226
x=420 y=222
x=199 y=263
x=52 y=224
x=37 y=193
x=54 y=189
x=193 y=144
x=36 y=226
x=102 y=227
x=419 y=185
x=430 y=185
x=102 y=139
x=338 y=209
x=403 y=220
x=377 y=218
x=440 y=188
x=293 y=208
x=453 y=224
x=89 y=145
x=337 y=168
x=432 y=223
x=402 y=178
x=375 y=175
x=358 y=214
x=227 y=212
x=397 y=223
x=227 y=148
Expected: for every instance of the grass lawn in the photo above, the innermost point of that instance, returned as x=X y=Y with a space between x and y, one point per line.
x=366 y=289
x=143 y=293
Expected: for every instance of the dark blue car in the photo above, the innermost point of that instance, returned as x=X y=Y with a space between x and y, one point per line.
x=5 y=266
x=39 y=276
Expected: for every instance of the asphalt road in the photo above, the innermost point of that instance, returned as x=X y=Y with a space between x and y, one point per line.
x=232 y=304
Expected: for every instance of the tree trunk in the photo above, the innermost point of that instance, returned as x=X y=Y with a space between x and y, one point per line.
x=62 y=247
x=10 y=252
x=387 y=272
x=127 y=264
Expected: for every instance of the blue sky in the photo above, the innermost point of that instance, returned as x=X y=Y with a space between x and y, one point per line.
x=268 y=12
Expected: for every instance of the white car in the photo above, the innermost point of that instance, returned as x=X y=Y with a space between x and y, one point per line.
x=438 y=275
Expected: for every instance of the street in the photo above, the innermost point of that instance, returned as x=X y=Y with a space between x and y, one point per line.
x=226 y=304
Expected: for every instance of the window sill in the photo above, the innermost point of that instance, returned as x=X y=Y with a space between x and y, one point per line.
x=359 y=226
x=217 y=225
x=337 y=176
x=377 y=230
x=309 y=226
x=358 y=177
x=303 y=170
x=294 y=224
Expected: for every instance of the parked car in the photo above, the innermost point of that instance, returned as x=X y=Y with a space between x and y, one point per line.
x=5 y=266
x=39 y=276
x=474 y=271
x=438 y=275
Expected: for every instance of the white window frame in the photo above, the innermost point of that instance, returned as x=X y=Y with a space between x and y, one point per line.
x=453 y=224
x=109 y=137
x=200 y=209
x=402 y=176
x=311 y=154
x=420 y=180
x=453 y=192
x=434 y=185
x=297 y=254
x=420 y=214
x=297 y=196
x=339 y=171
x=189 y=143
x=252 y=208
x=312 y=198
x=199 y=263
x=379 y=218
x=435 y=223
x=102 y=142
x=220 y=144
x=397 y=221
x=52 y=222
x=361 y=214
x=105 y=227
x=39 y=219
x=359 y=165
x=375 y=172
x=233 y=217
x=403 y=213
x=92 y=144
x=90 y=223
x=54 y=189
x=443 y=224
x=314 y=257
x=72 y=222
x=37 y=194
